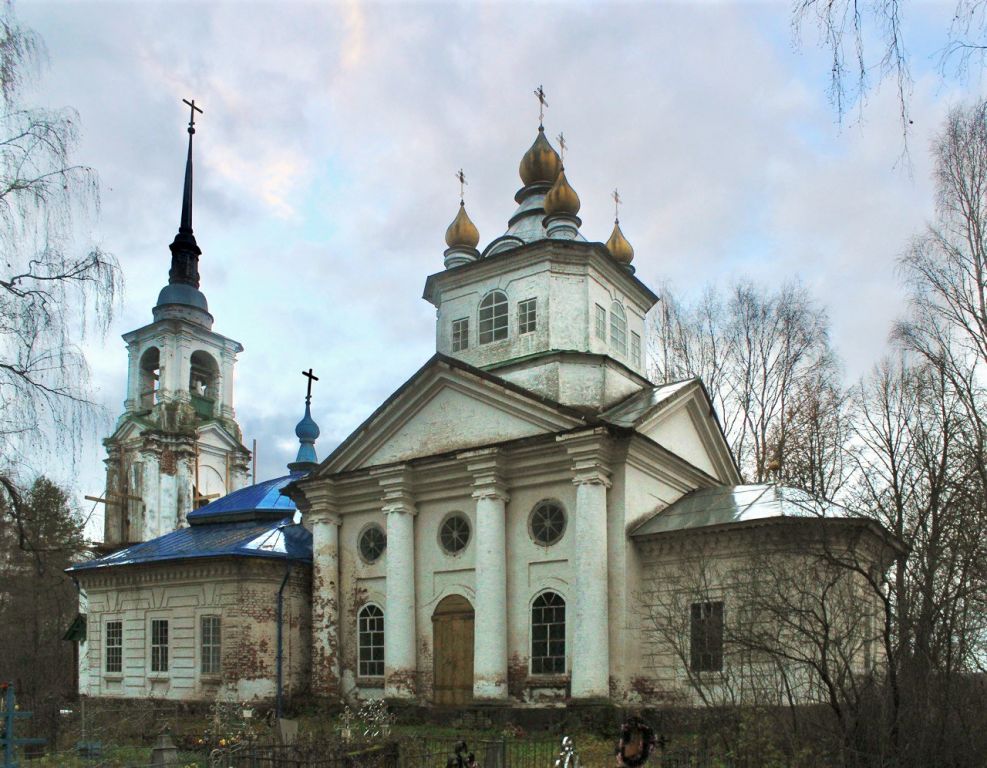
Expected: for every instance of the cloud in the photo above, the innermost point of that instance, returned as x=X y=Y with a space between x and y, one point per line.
x=325 y=162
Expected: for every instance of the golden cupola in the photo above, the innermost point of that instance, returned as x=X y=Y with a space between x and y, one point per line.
x=621 y=250
x=561 y=198
x=541 y=163
x=462 y=237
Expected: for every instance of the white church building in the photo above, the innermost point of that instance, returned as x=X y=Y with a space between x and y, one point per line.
x=486 y=536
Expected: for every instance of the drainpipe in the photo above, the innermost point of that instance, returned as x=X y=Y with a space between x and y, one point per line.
x=280 y=621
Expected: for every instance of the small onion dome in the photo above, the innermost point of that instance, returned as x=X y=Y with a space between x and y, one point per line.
x=541 y=162
x=618 y=246
x=561 y=198
x=307 y=429
x=462 y=233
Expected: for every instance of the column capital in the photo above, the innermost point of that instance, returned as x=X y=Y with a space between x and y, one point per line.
x=487 y=467
x=397 y=489
x=590 y=452
x=315 y=500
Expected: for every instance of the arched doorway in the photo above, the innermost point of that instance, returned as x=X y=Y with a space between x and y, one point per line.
x=452 y=661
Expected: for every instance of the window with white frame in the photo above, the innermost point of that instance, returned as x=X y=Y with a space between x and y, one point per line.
x=548 y=634
x=371 y=641
x=493 y=317
x=601 y=323
x=159 y=645
x=635 y=350
x=114 y=647
x=526 y=316
x=706 y=637
x=618 y=329
x=210 y=653
x=460 y=334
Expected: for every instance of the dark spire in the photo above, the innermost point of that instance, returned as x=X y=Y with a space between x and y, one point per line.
x=184 y=250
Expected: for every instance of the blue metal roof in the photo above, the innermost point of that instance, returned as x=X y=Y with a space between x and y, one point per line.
x=255 y=502
x=279 y=540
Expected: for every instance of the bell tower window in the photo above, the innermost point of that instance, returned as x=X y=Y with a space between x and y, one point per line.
x=493 y=317
x=203 y=383
x=149 y=378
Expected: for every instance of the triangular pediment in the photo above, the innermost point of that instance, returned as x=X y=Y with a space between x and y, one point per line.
x=448 y=406
x=686 y=424
x=214 y=435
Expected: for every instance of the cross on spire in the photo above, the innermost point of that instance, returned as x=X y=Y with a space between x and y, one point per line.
x=192 y=110
x=542 y=103
x=462 y=185
x=616 y=205
x=311 y=377
x=562 y=146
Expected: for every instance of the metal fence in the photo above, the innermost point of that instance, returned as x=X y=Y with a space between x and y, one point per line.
x=298 y=756
x=501 y=753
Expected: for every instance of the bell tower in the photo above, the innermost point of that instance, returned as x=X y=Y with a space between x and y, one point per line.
x=177 y=444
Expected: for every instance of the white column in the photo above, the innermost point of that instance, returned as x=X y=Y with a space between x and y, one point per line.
x=325 y=595
x=400 y=632
x=490 y=625
x=591 y=629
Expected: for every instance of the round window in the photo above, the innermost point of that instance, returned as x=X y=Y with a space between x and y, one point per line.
x=372 y=543
x=454 y=533
x=547 y=522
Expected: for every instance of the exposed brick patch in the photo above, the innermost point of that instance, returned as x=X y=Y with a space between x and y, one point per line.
x=168 y=462
x=517 y=673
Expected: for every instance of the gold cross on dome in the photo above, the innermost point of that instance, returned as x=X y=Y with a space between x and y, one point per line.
x=616 y=205
x=462 y=184
x=542 y=103
x=562 y=146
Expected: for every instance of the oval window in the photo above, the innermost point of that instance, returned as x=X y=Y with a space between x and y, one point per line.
x=454 y=533
x=372 y=543
x=547 y=522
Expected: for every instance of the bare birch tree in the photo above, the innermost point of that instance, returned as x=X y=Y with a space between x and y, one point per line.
x=52 y=290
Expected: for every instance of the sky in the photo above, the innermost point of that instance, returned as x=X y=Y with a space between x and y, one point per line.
x=325 y=166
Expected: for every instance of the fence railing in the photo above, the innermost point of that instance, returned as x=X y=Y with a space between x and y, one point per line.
x=299 y=756
x=489 y=753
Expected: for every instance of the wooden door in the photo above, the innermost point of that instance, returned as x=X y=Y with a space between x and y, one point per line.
x=452 y=641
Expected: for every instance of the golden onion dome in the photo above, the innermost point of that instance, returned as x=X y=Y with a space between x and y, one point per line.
x=561 y=198
x=618 y=246
x=541 y=162
x=462 y=233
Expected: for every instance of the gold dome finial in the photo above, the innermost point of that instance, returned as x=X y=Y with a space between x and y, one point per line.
x=541 y=162
x=619 y=248
x=462 y=233
x=561 y=198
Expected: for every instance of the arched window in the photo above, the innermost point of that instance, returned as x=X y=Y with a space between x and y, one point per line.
x=493 y=317
x=371 y=641
x=149 y=378
x=548 y=634
x=203 y=382
x=618 y=328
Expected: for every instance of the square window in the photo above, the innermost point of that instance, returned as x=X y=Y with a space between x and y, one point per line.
x=114 y=646
x=460 y=334
x=526 y=316
x=601 y=323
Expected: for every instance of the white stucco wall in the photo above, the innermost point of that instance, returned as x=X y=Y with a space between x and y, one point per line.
x=241 y=592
